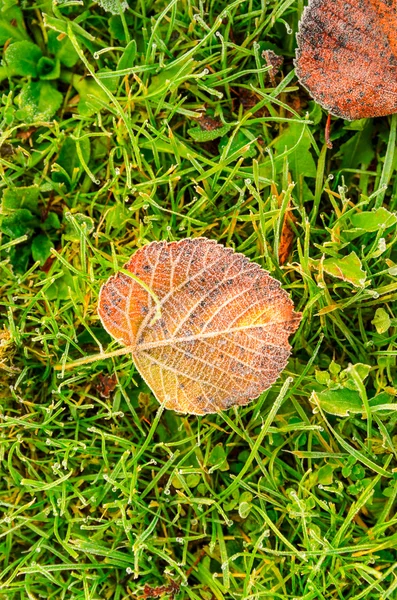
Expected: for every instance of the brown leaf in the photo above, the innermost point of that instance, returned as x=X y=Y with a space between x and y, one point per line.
x=274 y=61
x=286 y=238
x=347 y=56
x=222 y=337
x=207 y=123
x=105 y=384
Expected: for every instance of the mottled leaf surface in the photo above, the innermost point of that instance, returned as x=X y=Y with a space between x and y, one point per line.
x=347 y=56
x=222 y=337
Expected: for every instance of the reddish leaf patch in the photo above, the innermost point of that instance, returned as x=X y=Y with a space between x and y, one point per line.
x=347 y=56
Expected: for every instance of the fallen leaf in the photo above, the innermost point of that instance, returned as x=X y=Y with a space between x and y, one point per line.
x=347 y=56
x=105 y=384
x=222 y=334
x=286 y=238
x=207 y=123
x=275 y=62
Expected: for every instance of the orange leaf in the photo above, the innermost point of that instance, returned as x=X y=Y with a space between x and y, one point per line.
x=347 y=56
x=286 y=238
x=222 y=336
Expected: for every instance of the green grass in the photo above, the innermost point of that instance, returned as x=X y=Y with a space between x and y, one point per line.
x=291 y=497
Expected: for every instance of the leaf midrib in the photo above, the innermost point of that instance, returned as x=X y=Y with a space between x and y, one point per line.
x=201 y=336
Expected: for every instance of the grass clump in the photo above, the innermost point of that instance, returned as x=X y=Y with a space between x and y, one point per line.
x=162 y=122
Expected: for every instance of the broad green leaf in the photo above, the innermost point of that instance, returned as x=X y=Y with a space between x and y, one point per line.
x=22 y=58
x=20 y=222
x=239 y=141
x=20 y=256
x=334 y=368
x=170 y=76
x=296 y=141
x=348 y=268
x=51 y=222
x=325 y=475
x=113 y=6
x=116 y=27
x=245 y=504
x=11 y=25
x=21 y=197
x=322 y=377
x=75 y=223
x=62 y=288
x=383 y=399
x=340 y=402
x=68 y=158
x=358 y=150
x=62 y=49
x=41 y=248
x=89 y=90
x=193 y=479
x=127 y=59
x=361 y=369
x=39 y=100
x=315 y=113
x=374 y=220
x=244 y=509
x=381 y=320
x=177 y=483
x=116 y=217
x=217 y=459
x=201 y=135
x=232 y=501
x=110 y=82
x=48 y=68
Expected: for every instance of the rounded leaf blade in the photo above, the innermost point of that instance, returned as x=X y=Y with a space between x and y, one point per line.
x=222 y=337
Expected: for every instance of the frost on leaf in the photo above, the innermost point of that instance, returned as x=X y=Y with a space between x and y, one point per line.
x=113 y=6
x=347 y=56
x=222 y=337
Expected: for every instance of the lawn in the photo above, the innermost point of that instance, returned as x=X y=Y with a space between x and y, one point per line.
x=122 y=125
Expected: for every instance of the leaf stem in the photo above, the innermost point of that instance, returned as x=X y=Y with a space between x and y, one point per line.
x=89 y=359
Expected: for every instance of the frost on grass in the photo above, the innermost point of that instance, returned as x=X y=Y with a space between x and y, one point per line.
x=114 y=6
x=222 y=336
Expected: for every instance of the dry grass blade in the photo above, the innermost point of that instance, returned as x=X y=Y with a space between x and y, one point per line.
x=223 y=333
